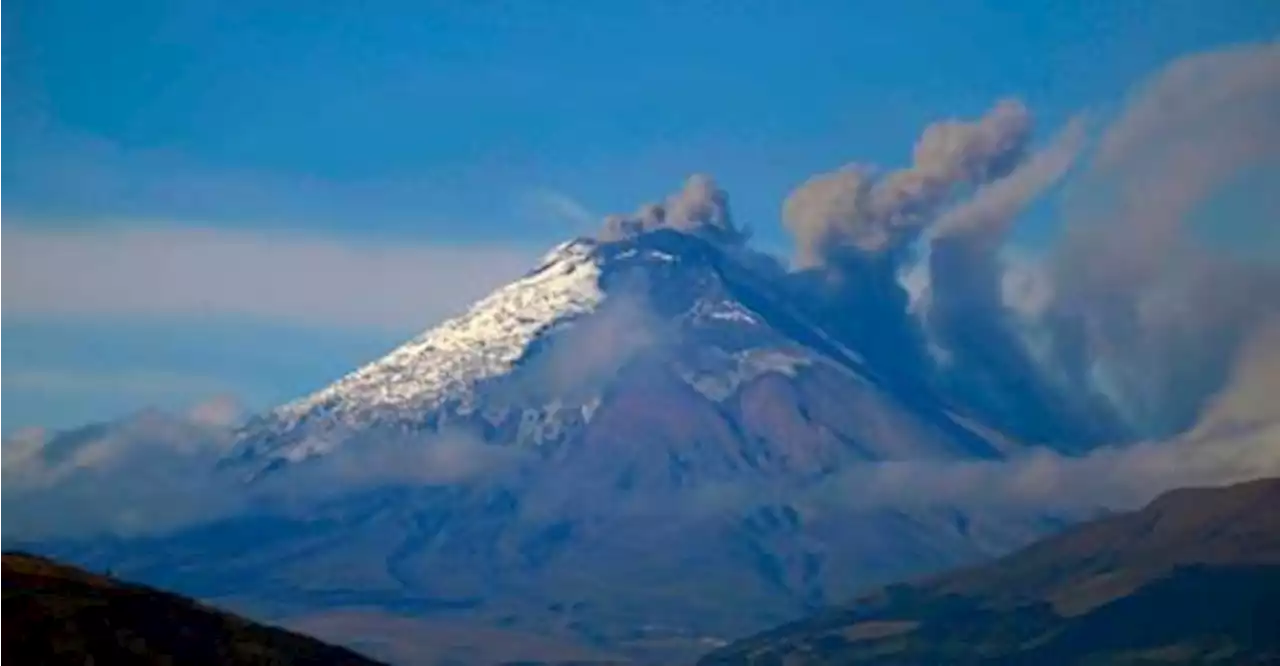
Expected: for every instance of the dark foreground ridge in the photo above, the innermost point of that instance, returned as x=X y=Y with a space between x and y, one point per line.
x=1194 y=577
x=56 y=614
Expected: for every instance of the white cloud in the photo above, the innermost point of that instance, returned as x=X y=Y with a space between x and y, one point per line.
x=148 y=445
x=421 y=460
x=1121 y=477
x=295 y=277
x=1237 y=439
x=155 y=472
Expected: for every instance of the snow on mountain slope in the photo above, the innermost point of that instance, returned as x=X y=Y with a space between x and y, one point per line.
x=448 y=361
x=535 y=362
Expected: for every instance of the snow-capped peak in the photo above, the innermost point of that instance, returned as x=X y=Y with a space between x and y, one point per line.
x=532 y=362
x=449 y=360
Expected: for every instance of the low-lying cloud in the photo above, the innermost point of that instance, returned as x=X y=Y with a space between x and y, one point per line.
x=1119 y=477
x=376 y=460
x=156 y=472
x=1237 y=439
x=150 y=472
x=297 y=278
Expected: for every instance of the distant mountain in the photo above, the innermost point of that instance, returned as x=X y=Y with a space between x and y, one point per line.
x=56 y=614
x=1194 y=577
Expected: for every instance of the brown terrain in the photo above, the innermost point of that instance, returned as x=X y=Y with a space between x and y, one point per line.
x=1094 y=563
x=1193 y=577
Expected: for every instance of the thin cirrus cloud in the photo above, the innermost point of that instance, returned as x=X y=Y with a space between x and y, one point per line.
x=558 y=207
x=292 y=277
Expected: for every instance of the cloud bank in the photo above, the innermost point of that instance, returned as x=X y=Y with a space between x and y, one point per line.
x=155 y=472
x=298 y=278
x=1237 y=439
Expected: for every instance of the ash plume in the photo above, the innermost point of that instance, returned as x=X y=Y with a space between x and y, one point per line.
x=1124 y=327
x=987 y=361
x=857 y=211
x=1137 y=317
x=1151 y=306
x=994 y=207
x=700 y=208
x=854 y=231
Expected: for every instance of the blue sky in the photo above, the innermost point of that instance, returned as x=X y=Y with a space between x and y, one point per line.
x=253 y=197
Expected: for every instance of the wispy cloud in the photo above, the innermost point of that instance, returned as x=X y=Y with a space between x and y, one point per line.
x=541 y=202
x=149 y=472
x=299 y=278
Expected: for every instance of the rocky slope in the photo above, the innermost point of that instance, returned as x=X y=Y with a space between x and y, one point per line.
x=56 y=614
x=1194 y=577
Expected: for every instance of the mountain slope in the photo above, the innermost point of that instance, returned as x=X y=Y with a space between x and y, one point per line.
x=56 y=614
x=1194 y=577
x=658 y=586
x=597 y=330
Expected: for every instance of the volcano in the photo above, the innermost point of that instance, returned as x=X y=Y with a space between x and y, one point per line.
x=630 y=449
x=663 y=345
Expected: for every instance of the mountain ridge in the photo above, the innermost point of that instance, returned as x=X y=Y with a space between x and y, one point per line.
x=1193 y=574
